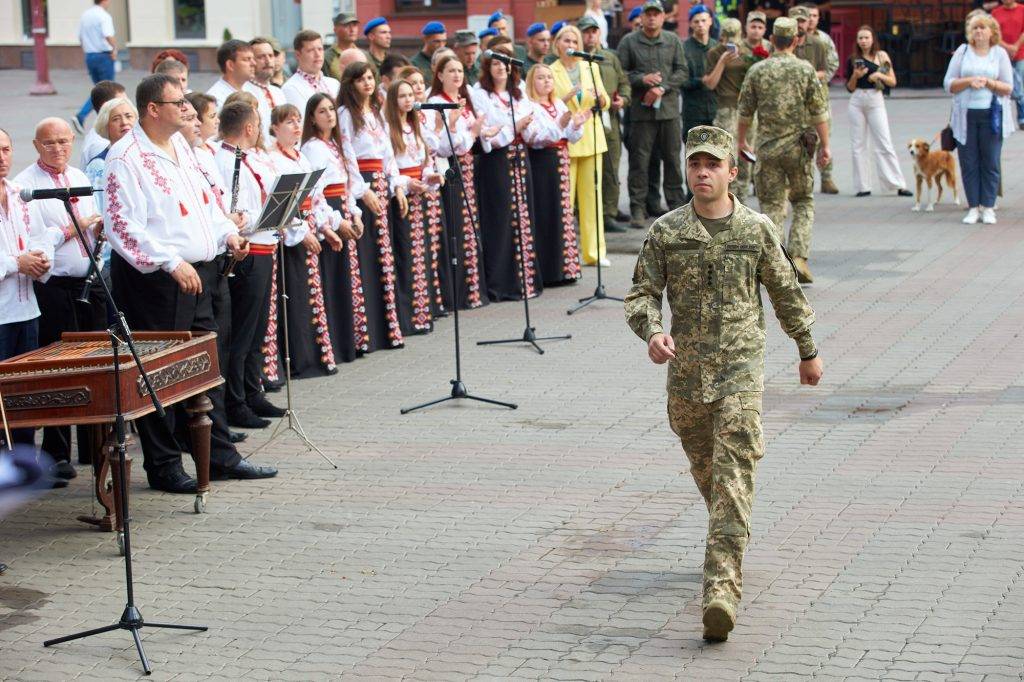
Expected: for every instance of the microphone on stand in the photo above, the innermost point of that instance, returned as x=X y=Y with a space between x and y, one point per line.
x=61 y=193
x=585 y=56
x=502 y=57
x=434 y=106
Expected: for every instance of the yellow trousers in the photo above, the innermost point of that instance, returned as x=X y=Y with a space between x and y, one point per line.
x=588 y=209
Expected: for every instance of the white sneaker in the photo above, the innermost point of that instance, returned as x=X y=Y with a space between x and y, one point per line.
x=988 y=216
x=972 y=217
x=605 y=263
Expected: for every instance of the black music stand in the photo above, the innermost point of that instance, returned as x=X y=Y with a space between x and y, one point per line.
x=131 y=619
x=278 y=213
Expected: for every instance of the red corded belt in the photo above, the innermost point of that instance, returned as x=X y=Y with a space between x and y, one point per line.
x=414 y=172
x=561 y=144
x=262 y=249
x=371 y=165
x=307 y=205
x=335 y=191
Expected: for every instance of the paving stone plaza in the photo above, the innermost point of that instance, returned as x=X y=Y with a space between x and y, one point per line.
x=564 y=540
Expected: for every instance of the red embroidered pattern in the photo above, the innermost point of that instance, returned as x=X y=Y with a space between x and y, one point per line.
x=271 y=361
x=386 y=257
x=521 y=216
x=149 y=164
x=420 y=290
x=435 y=230
x=319 y=310
x=120 y=225
x=470 y=248
x=360 y=325
x=570 y=247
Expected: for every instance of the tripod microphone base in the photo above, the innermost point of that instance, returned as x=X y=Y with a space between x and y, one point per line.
x=131 y=620
x=290 y=422
x=599 y=295
x=459 y=392
x=530 y=337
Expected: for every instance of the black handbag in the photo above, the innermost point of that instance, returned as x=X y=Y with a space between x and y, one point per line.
x=946 y=140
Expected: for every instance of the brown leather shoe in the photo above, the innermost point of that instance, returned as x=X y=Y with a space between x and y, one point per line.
x=719 y=620
x=803 y=273
x=828 y=187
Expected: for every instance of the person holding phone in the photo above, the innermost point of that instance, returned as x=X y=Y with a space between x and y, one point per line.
x=871 y=75
x=725 y=68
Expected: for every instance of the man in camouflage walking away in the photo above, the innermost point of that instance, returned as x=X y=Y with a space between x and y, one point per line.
x=792 y=118
x=815 y=48
x=712 y=255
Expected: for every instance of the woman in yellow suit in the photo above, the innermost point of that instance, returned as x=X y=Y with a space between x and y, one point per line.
x=575 y=86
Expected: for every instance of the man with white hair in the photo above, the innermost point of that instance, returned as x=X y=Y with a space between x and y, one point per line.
x=58 y=290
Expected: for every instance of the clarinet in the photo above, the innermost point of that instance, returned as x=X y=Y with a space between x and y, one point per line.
x=90 y=280
x=228 y=269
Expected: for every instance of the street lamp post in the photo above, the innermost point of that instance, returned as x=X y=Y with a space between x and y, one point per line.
x=43 y=85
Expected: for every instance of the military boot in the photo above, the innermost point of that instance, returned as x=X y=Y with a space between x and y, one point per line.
x=719 y=620
x=803 y=273
x=828 y=186
x=638 y=220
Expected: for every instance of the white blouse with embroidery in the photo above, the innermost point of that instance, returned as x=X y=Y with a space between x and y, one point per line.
x=323 y=217
x=462 y=138
x=21 y=230
x=496 y=112
x=372 y=142
x=547 y=131
x=337 y=171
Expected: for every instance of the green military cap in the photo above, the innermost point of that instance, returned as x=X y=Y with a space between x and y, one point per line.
x=757 y=15
x=709 y=140
x=464 y=38
x=345 y=18
x=586 y=22
x=785 y=27
x=652 y=5
x=798 y=12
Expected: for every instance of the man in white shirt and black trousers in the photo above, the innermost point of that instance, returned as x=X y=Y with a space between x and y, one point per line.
x=166 y=231
x=250 y=287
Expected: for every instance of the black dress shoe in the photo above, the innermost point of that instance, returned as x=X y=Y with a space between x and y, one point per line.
x=622 y=217
x=613 y=226
x=656 y=211
x=904 y=193
x=863 y=194
x=264 y=408
x=272 y=386
x=172 y=480
x=58 y=483
x=237 y=436
x=64 y=470
x=244 y=418
x=243 y=471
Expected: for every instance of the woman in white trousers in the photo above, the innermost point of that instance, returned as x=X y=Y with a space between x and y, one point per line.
x=870 y=72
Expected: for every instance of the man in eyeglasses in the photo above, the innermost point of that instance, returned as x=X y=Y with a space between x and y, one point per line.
x=57 y=290
x=166 y=230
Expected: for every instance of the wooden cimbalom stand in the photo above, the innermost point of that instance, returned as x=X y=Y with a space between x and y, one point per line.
x=70 y=382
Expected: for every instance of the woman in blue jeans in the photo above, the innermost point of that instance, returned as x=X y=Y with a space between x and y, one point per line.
x=980 y=79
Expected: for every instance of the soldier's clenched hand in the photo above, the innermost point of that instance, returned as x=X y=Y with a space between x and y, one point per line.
x=661 y=348
x=810 y=372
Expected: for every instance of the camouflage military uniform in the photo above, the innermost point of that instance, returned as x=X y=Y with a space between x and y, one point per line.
x=785 y=94
x=821 y=54
x=614 y=78
x=716 y=379
x=422 y=64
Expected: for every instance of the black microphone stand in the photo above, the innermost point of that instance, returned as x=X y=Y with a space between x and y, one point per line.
x=599 y=293
x=458 y=387
x=131 y=619
x=529 y=334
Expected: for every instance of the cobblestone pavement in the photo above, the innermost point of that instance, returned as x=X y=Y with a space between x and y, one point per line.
x=564 y=540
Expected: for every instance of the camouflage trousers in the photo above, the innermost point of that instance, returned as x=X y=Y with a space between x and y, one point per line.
x=723 y=442
x=788 y=175
x=727 y=118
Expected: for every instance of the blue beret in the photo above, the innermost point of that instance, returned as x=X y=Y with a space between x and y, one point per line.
x=556 y=27
x=372 y=24
x=634 y=13
x=534 y=29
x=433 y=28
x=697 y=9
x=497 y=16
x=487 y=32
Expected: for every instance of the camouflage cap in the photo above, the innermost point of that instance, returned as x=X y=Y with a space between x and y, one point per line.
x=785 y=27
x=464 y=38
x=709 y=140
x=585 y=22
x=345 y=18
x=799 y=12
x=654 y=5
x=731 y=27
x=757 y=15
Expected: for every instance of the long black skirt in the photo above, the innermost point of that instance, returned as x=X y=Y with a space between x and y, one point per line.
x=343 y=295
x=558 y=251
x=437 y=266
x=308 y=332
x=412 y=278
x=505 y=227
x=377 y=266
x=461 y=220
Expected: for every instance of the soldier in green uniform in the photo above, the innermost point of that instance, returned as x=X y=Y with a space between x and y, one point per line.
x=378 y=34
x=346 y=31
x=617 y=86
x=712 y=256
x=435 y=36
x=499 y=23
x=791 y=106
x=654 y=62
x=467 y=49
x=726 y=67
x=698 y=99
x=812 y=48
x=538 y=44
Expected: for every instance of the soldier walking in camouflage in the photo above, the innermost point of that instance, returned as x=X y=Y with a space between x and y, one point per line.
x=712 y=255
x=791 y=109
x=817 y=48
